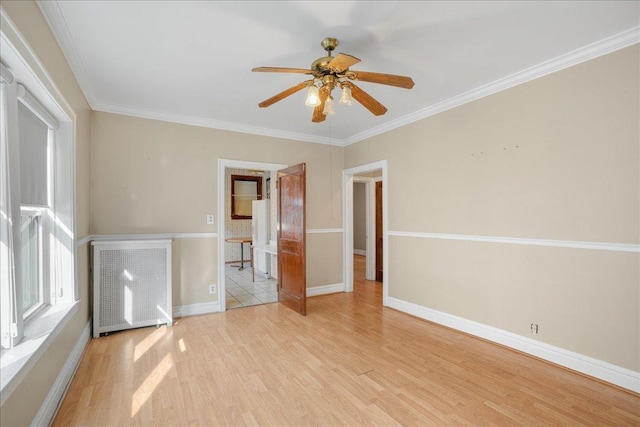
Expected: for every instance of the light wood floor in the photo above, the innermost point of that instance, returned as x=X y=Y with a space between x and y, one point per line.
x=349 y=362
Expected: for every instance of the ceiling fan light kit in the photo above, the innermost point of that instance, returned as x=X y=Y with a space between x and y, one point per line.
x=329 y=72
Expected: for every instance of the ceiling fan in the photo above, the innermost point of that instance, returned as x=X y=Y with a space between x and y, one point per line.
x=329 y=72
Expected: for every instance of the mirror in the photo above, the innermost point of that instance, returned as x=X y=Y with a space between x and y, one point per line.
x=244 y=190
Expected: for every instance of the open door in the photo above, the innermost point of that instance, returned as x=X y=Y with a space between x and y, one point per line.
x=292 y=275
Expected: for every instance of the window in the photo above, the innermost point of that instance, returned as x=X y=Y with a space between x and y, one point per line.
x=31 y=259
x=244 y=190
x=37 y=244
x=38 y=286
x=35 y=182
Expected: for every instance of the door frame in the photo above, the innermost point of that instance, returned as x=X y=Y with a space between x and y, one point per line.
x=370 y=216
x=347 y=223
x=223 y=164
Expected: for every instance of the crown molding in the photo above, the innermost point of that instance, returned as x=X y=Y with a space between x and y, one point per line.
x=210 y=123
x=31 y=64
x=575 y=57
x=60 y=29
x=55 y=18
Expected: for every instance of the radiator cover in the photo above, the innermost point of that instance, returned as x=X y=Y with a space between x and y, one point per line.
x=131 y=284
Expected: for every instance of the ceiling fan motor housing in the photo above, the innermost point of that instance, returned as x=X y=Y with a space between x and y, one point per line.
x=320 y=65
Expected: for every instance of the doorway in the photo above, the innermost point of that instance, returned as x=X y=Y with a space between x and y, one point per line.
x=249 y=223
x=230 y=277
x=368 y=174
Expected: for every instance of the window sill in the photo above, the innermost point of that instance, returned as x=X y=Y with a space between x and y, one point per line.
x=39 y=334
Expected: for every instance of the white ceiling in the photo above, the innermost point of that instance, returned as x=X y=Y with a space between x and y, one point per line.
x=191 y=61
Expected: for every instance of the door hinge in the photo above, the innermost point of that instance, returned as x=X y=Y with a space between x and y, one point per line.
x=13 y=330
x=59 y=292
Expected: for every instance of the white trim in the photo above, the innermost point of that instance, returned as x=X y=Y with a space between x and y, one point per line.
x=325 y=289
x=145 y=236
x=5 y=74
x=129 y=243
x=574 y=244
x=55 y=19
x=36 y=108
x=209 y=123
x=51 y=404
x=360 y=252
x=575 y=57
x=31 y=61
x=18 y=361
x=323 y=230
x=348 y=176
x=195 y=309
x=602 y=370
x=83 y=241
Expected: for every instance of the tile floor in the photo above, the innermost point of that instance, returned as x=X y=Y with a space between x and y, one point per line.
x=242 y=292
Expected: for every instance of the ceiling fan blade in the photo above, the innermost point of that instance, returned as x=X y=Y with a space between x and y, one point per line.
x=284 y=94
x=385 y=79
x=341 y=62
x=367 y=100
x=282 y=70
x=318 y=115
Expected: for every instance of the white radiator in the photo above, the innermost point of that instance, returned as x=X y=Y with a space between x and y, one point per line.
x=131 y=284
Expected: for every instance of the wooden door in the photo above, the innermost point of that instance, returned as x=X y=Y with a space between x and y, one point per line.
x=379 y=231
x=292 y=276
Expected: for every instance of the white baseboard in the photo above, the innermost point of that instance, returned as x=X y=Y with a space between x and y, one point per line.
x=195 y=309
x=325 y=289
x=52 y=402
x=359 y=252
x=602 y=370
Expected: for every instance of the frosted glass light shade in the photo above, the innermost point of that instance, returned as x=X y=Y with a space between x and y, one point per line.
x=328 y=107
x=313 y=99
x=345 y=98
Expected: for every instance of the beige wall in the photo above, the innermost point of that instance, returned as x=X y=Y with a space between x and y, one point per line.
x=156 y=177
x=359 y=216
x=194 y=266
x=556 y=158
x=26 y=400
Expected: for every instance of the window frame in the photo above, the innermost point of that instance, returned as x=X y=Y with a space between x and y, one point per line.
x=258 y=196
x=43 y=260
x=21 y=66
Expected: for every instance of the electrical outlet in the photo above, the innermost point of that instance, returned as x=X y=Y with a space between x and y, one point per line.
x=209 y=219
x=212 y=289
x=534 y=328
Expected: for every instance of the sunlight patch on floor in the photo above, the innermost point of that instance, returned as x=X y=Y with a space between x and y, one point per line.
x=147 y=343
x=146 y=389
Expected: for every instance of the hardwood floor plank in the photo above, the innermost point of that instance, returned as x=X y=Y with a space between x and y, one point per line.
x=350 y=361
